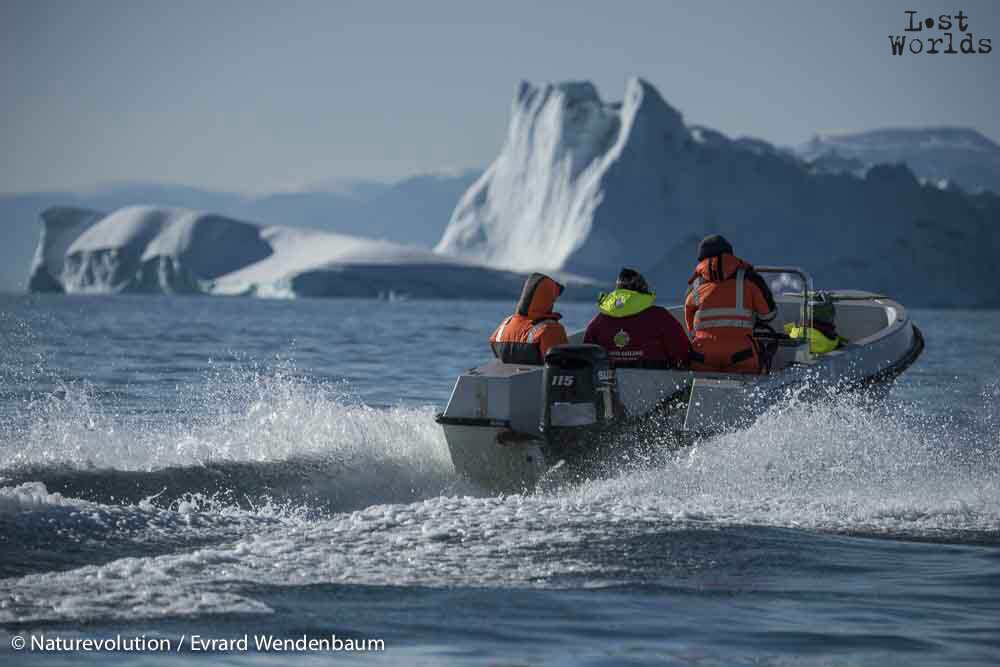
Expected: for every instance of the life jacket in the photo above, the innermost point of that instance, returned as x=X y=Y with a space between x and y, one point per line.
x=525 y=336
x=624 y=302
x=819 y=343
x=726 y=299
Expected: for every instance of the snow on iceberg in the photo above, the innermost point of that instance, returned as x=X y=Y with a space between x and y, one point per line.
x=60 y=227
x=587 y=186
x=148 y=249
x=176 y=251
x=537 y=204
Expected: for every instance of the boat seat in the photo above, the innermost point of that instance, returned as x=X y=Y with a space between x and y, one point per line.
x=856 y=321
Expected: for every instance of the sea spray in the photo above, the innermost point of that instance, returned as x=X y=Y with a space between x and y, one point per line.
x=251 y=434
x=841 y=466
x=846 y=463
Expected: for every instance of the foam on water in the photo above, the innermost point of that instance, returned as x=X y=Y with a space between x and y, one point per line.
x=30 y=497
x=248 y=434
x=843 y=466
x=237 y=415
x=248 y=448
x=44 y=531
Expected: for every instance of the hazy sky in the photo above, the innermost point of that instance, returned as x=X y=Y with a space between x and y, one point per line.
x=260 y=96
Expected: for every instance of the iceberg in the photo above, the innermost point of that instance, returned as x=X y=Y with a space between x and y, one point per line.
x=546 y=199
x=60 y=227
x=587 y=186
x=148 y=249
x=145 y=249
x=411 y=211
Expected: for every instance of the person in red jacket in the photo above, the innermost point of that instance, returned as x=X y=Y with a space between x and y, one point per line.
x=634 y=331
x=525 y=336
x=724 y=302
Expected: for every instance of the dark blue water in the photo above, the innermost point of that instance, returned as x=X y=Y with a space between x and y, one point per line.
x=172 y=467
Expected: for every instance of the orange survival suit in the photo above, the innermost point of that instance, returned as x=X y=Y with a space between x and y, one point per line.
x=525 y=336
x=726 y=298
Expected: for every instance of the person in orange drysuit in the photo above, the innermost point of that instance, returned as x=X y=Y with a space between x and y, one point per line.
x=525 y=336
x=724 y=302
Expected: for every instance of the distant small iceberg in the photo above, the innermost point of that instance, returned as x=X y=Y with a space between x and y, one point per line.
x=393 y=295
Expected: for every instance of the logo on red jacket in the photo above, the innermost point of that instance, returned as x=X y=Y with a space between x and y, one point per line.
x=621 y=339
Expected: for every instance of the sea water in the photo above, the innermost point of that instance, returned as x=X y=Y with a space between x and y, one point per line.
x=183 y=476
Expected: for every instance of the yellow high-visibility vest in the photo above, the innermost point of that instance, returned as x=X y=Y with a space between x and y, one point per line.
x=818 y=343
x=624 y=302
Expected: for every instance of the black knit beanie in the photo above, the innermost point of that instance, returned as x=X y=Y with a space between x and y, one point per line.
x=631 y=279
x=713 y=245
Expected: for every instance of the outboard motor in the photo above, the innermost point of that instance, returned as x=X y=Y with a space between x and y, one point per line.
x=579 y=395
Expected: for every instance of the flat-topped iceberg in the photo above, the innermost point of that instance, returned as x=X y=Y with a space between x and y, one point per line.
x=177 y=251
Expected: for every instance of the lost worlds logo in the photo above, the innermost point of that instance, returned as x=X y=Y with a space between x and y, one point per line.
x=938 y=35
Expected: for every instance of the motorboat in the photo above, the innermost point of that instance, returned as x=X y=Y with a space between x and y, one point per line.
x=510 y=427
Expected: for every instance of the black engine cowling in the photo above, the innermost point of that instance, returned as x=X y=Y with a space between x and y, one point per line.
x=579 y=391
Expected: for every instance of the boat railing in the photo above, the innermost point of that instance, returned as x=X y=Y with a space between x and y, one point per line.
x=806 y=308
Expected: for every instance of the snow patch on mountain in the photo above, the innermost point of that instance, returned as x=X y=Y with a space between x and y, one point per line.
x=954 y=155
